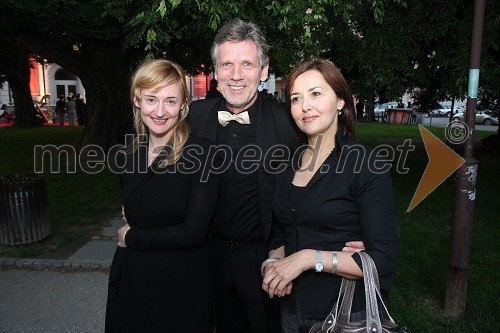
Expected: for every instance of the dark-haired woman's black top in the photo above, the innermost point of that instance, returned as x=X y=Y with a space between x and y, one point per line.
x=349 y=198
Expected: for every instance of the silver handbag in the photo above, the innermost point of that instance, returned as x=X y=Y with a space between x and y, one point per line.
x=338 y=321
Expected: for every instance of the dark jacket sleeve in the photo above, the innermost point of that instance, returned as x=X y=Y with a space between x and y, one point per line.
x=277 y=235
x=375 y=201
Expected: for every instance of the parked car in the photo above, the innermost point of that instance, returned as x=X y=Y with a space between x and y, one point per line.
x=380 y=109
x=444 y=110
x=441 y=112
x=485 y=117
x=438 y=113
x=384 y=106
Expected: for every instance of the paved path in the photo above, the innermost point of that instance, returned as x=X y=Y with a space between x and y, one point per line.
x=58 y=296
x=52 y=301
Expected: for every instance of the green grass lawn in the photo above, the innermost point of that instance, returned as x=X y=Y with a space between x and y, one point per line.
x=417 y=300
x=79 y=203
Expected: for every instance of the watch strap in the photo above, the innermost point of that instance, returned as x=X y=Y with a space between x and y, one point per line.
x=319 y=261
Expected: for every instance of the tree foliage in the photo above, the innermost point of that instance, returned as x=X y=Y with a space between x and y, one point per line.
x=75 y=35
x=383 y=47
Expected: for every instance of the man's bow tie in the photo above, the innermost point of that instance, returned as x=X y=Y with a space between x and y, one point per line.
x=225 y=117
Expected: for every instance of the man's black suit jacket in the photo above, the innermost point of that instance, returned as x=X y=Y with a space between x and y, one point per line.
x=275 y=132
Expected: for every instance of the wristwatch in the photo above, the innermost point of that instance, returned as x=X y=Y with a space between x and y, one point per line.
x=319 y=262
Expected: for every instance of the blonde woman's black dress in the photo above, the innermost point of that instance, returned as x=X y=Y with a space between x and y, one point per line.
x=161 y=282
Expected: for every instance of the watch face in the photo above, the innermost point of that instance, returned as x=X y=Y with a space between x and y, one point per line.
x=319 y=266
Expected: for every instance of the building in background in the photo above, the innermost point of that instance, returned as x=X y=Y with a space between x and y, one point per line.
x=50 y=80
x=47 y=81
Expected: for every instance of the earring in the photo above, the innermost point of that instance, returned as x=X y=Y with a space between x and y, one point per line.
x=184 y=112
x=340 y=112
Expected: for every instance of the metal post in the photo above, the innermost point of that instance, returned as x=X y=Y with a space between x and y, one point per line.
x=10 y=93
x=465 y=185
x=43 y=76
x=452 y=108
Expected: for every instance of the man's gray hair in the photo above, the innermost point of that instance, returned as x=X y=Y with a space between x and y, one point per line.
x=236 y=31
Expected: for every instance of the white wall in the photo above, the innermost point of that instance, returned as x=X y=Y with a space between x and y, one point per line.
x=50 y=85
x=4 y=94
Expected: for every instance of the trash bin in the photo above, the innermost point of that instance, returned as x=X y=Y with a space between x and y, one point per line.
x=23 y=209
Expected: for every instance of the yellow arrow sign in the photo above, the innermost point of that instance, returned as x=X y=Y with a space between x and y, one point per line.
x=443 y=161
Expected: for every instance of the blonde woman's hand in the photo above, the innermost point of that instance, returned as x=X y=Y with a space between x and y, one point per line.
x=354 y=246
x=121 y=235
x=124 y=218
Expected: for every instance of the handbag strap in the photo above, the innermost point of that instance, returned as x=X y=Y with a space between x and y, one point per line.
x=331 y=319
x=370 y=277
x=344 y=313
x=376 y=285
x=341 y=311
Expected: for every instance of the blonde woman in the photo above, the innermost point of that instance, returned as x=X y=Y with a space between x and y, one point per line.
x=160 y=277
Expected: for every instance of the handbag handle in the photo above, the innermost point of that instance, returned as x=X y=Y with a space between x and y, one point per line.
x=375 y=285
x=372 y=286
x=342 y=314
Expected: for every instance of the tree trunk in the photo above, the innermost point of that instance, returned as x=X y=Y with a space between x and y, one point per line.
x=19 y=81
x=109 y=111
x=370 y=109
x=105 y=74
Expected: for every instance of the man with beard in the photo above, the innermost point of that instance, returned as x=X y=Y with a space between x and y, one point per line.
x=247 y=123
